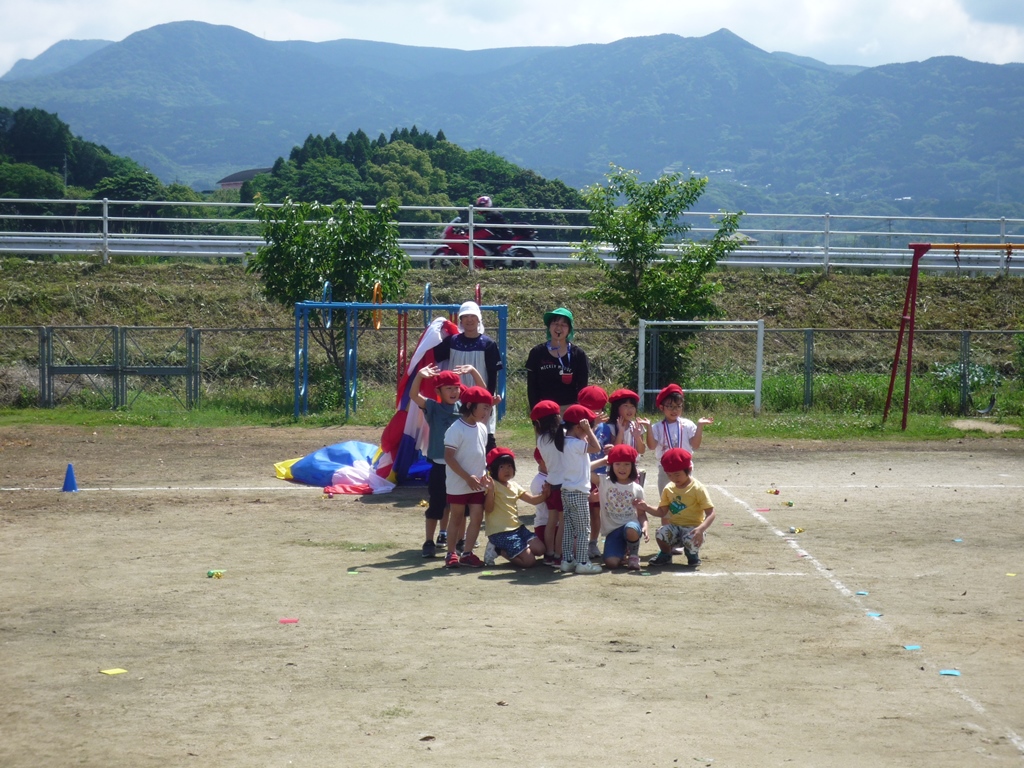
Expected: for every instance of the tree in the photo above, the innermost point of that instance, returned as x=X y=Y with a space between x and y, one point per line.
x=310 y=244
x=637 y=219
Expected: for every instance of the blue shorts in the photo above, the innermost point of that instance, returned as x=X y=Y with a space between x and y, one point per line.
x=615 y=543
x=511 y=544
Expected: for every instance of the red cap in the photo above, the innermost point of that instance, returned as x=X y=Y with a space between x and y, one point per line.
x=593 y=397
x=496 y=453
x=447 y=379
x=671 y=389
x=574 y=414
x=624 y=394
x=677 y=460
x=476 y=395
x=544 y=408
x=622 y=452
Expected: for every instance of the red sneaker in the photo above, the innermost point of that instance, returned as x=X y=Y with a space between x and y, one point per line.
x=452 y=561
x=468 y=558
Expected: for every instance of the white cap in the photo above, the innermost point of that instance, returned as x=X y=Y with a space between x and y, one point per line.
x=471 y=308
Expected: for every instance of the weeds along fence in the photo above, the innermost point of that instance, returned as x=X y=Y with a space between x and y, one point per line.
x=251 y=370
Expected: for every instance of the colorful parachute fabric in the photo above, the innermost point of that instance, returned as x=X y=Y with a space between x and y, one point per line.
x=405 y=437
x=340 y=468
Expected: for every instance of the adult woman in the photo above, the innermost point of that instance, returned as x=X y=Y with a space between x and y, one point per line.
x=557 y=369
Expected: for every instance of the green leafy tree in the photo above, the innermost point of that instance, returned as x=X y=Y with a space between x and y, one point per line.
x=310 y=244
x=636 y=219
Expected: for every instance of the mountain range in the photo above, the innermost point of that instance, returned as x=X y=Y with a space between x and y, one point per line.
x=194 y=102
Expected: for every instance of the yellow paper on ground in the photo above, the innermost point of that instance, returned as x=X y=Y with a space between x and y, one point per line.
x=113 y=671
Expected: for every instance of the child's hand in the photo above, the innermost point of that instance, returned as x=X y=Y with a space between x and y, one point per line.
x=706 y=420
x=584 y=424
x=607 y=449
x=462 y=370
x=698 y=537
x=497 y=399
x=600 y=418
x=478 y=483
x=645 y=423
x=429 y=370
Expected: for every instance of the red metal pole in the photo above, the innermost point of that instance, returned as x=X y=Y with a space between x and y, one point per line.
x=909 y=318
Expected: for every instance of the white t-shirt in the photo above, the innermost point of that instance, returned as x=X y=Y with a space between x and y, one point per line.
x=677 y=436
x=617 y=503
x=470 y=444
x=554 y=460
x=576 y=466
x=536 y=488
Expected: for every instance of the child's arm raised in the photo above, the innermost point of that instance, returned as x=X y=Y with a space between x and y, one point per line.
x=593 y=444
x=698 y=436
x=425 y=372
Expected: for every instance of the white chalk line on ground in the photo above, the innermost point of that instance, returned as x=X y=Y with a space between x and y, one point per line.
x=701 y=574
x=845 y=591
x=204 y=488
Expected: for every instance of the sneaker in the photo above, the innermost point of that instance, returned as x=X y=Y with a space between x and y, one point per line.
x=468 y=558
x=550 y=560
x=634 y=563
x=567 y=566
x=662 y=558
x=490 y=555
x=442 y=539
x=588 y=568
x=692 y=559
x=452 y=561
x=461 y=546
x=594 y=550
x=429 y=550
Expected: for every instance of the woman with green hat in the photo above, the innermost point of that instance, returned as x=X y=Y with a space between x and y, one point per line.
x=557 y=369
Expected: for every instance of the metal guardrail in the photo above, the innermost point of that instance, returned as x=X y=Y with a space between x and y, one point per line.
x=102 y=229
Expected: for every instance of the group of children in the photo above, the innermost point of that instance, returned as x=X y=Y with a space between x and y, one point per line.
x=587 y=484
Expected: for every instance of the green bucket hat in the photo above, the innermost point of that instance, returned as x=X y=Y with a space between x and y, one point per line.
x=560 y=312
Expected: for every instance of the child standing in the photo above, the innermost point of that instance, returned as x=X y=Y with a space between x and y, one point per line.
x=673 y=431
x=685 y=509
x=438 y=416
x=465 y=455
x=510 y=538
x=579 y=443
x=622 y=524
x=626 y=427
x=547 y=424
x=542 y=514
x=596 y=399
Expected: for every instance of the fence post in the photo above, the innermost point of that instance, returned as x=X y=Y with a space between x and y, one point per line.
x=45 y=352
x=808 y=367
x=120 y=355
x=828 y=232
x=641 y=356
x=759 y=368
x=191 y=367
x=106 y=231
x=965 y=370
x=472 y=246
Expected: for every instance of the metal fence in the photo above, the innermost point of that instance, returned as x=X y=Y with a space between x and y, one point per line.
x=253 y=368
x=105 y=229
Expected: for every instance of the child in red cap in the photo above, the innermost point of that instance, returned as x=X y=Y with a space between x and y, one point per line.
x=622 y=524
x=438 y=416
x=542 y=514
x=510 y=538
x=579 y=443
x=465 y=454
x=547 y=424
x=686 y=510
x=596 y=399
x=673 y=431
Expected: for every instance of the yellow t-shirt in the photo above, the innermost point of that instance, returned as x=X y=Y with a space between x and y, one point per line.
x=505 y=515
x=687 y=504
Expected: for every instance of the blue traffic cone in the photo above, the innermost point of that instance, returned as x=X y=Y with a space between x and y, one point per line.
x=70 y=486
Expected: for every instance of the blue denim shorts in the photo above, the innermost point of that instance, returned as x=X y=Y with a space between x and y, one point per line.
x=615 y=544
x=511 y=544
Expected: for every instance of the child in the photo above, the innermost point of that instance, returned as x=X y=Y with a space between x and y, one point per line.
x=673 y=431
x=626 y=427
x=465 y=455
x=621 y=522
x=511 y=539
x=595 y=398
x=685 y=509
x=547 y=424
x=579 y=442
x=471 y=347
x=438 y=416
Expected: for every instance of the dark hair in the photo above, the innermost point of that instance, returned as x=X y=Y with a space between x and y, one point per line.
x=550 y=427
x=467 y=408
x=674 y=397
x=613 y=417
x=495 y=465
x=634 y=475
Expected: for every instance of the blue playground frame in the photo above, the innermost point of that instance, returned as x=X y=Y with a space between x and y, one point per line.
x=352 y=310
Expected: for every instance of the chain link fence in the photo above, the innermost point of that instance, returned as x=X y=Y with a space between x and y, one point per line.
x=252 y=369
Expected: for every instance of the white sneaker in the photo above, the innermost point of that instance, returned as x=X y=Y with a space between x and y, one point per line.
x=588 y=568
x=490 y=554
x=567 y=566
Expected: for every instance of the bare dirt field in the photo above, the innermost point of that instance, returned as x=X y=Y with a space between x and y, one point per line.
x=782 y=649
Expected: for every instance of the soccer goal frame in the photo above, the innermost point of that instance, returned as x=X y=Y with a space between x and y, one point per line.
x=739 y=325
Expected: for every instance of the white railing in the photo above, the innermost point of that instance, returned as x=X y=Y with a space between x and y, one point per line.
x=105 y=228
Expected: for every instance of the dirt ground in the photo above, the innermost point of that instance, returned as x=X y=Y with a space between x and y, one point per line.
x=781 y=649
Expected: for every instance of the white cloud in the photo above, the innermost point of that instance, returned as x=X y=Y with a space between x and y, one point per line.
x=866 y=32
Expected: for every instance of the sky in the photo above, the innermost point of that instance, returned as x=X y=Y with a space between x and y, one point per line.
x=863 y=32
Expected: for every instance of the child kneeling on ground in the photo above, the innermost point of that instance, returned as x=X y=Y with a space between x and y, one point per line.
x=510 y=538
x=686 y=510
